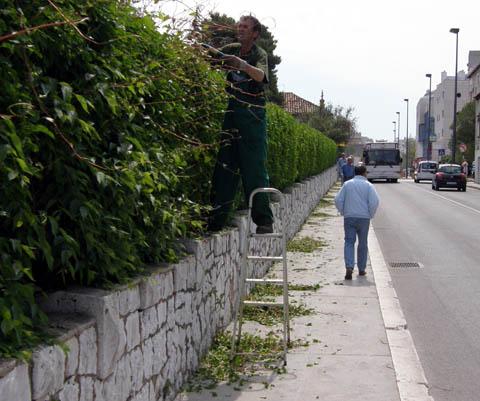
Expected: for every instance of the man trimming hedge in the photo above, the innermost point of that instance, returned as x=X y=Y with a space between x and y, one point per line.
x=243 y=150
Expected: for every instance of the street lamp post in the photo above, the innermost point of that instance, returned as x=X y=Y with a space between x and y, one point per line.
x=406 y=145
x=429 y=144
x=394 y=130
x=398 y=130
x=454 y=133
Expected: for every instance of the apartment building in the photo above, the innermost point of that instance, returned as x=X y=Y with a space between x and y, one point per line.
x=441 y=112
x=474 y=77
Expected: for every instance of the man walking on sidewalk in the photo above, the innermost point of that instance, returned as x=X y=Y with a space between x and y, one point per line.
x=357 y=201
x=348 y=170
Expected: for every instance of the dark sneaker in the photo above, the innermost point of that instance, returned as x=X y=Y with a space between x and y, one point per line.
x=265 y=229
x=364 y=273
x=348 y=274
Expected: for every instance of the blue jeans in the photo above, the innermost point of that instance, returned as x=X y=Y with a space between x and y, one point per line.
x=356 y=227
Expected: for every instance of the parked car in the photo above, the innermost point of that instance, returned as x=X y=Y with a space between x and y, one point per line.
x=449 y=176
x=425 y=170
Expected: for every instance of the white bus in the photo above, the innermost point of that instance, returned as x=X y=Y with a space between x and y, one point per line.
x=382 y=160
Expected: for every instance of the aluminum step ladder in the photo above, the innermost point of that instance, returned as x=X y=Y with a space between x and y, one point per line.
x=244 y=280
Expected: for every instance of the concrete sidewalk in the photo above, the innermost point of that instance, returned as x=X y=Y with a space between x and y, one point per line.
x=359 y=346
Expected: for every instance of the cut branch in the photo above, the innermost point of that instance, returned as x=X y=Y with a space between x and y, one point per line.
x=25 y=31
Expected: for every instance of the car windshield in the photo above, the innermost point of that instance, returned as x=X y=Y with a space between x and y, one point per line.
x=428 y=166
x=450 y=169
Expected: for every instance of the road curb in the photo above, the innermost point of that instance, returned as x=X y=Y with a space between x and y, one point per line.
x=411 y=381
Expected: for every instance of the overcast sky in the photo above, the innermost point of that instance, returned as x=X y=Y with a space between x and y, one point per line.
x=368 y=54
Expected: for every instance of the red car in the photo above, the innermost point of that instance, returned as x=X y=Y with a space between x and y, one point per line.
x=449 y=176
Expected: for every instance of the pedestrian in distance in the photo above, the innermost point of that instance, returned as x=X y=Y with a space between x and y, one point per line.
x=465 y=167
x=340 y=162
x=357 y=201
x=243 y=149
x=348 y=169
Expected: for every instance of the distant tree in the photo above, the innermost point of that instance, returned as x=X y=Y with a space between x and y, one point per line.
x=219 y=30
x=411 y=154
x=466 y=131
x=336 y=122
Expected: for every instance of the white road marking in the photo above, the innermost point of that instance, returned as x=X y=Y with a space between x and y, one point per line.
x=452 y=201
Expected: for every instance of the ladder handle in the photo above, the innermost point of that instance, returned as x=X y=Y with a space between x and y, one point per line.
x=263 y=190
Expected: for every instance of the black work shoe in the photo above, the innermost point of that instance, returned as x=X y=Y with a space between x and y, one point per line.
x=265 y=229
x=364 y=273
x=348 y=274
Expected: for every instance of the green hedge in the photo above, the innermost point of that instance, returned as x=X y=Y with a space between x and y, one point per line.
x=108 y=137
x=296 y=151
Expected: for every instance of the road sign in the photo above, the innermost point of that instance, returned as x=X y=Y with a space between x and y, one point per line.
x=462 y=147
x=441 y=152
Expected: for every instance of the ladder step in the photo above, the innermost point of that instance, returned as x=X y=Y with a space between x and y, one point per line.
x=265 y=280
x=265 y=258
x=271 y=235
x=263 y=303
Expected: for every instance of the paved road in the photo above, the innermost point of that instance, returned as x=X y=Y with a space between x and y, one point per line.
x=441 y=300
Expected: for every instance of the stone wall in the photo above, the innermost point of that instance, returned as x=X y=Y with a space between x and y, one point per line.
x=140 y=342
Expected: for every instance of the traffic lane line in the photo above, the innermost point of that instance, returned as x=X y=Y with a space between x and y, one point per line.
x=451 y=201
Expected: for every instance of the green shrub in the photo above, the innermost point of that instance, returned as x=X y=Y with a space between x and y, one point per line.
x=105 y=129
x=296 y=151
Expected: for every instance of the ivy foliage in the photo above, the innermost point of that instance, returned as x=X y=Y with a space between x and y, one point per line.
x=107 y=129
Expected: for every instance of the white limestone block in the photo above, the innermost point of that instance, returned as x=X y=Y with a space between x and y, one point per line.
x=148 y=356
x=132 y=329
x=143 y=394
x=99 y=391
x=191 y=272
x=160 y=358
x=162 y=313
x=168 y=285
x=171 y=313
x=70 y=391
x=15 y=385
x=48 y=371
x=88 y=352
x=136 y=365
x=148 y=322
x=180 y=276
x=86 y=388
x=129 y=300
x=151 y=290
x=71 y=365
x=103 y=306
x=123 y=379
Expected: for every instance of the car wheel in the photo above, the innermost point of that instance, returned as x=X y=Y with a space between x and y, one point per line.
x=395 y=180
x=417 y=181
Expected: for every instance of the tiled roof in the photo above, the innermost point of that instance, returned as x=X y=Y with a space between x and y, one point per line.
x=296 y=105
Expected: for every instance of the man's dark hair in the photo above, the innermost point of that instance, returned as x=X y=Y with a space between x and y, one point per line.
x=360 y=170
x=257 y=26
